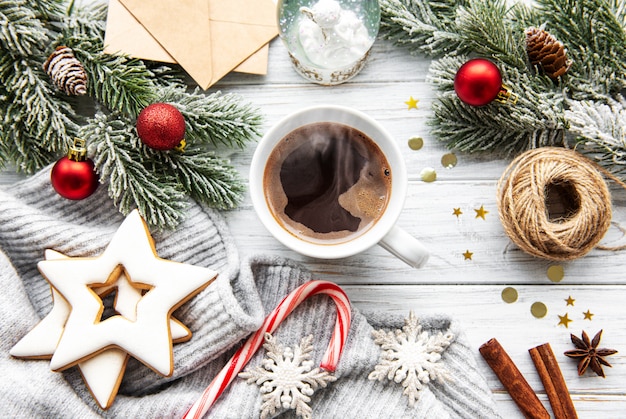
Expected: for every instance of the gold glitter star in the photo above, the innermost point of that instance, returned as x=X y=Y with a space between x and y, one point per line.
x=588 y=315
x=564 y=320
x=412 y=103
x=570 y=301
x=481 y=212
x=468 y=255
x=457 y=212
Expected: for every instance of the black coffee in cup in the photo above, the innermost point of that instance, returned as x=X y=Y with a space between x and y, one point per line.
x=327 y=182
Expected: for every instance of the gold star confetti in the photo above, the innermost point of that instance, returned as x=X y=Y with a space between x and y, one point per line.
x=570 y=301
x=457 y=212
x=588 y=315
x=468 y=255
x=412 y=103
x=481 y=212
x=564 y=320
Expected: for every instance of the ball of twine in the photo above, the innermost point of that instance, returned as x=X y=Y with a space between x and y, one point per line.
x=530 y=184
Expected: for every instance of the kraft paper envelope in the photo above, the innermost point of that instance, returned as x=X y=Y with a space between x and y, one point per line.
x=124 y=34
x=208 y=38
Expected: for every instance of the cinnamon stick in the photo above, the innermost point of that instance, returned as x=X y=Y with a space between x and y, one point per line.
x=513 y=380
x=552 y=379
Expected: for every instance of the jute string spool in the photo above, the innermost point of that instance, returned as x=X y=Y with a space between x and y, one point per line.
x=554 y=203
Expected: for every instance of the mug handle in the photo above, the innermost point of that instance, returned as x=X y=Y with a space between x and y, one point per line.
x=406 y=247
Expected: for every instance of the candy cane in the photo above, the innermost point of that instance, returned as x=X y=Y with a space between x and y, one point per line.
x=272 y=321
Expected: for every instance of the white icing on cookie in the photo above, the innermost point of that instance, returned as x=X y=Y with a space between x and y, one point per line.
x=42 y=340
x=130 y=253
x=103 y=372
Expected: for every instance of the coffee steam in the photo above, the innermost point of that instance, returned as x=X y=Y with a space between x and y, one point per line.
x=327 y=182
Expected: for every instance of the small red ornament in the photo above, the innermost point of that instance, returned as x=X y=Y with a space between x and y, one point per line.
x=161 y=126
x=73 y=176
x=479 y=82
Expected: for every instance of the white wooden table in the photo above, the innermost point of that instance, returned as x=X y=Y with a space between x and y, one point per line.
x=466 y=289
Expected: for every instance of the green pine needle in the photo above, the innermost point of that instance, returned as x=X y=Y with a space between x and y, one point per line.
x=583 y=108
x=423 y=27
x=600 y=131
x=120 y=163
x=40 y=125
x=536 y=120
x=38 y=121
x=206 y=177
x=118 y=83
x=486 y=29
x=215 y=119
x=21 y=32
x=595 y=38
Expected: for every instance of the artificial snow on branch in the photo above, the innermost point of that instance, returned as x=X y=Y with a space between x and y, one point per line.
x=118 y=157
x=39 y=120
x=423 y=27
x=600 y=130
x=557 y=111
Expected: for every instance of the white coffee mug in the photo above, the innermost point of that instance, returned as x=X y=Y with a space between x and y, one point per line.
x=384 y=232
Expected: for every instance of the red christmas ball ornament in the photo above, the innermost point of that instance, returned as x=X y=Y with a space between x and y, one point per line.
x=161 y=126
x=74 y=176
x=478 y=82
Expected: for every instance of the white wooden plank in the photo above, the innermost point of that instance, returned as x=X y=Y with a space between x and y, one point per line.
x=385 y=64
x=428 y=216
x=587 y=406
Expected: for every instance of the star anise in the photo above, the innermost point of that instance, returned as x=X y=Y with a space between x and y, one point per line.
x=588 y=354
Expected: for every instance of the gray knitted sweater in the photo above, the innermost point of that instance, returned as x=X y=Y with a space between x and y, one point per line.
x=34 y=218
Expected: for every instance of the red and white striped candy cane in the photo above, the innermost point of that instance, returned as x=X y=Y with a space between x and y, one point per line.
x=272 y=321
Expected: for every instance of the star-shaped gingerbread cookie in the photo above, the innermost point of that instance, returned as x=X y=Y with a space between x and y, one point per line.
x=103 y=372
x=131 y=254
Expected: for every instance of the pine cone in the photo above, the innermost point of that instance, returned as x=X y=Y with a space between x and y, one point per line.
x=547 y=53
x=66 y=72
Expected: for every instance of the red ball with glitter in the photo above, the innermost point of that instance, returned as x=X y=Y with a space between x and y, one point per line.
x=478 y=82
x=161 y=126
x=74 y=176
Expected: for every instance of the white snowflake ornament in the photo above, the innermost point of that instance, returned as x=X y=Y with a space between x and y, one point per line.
x=411 y=356
x=286 y=378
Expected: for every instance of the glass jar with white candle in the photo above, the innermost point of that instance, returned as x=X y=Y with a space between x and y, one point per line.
x=328 y=40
